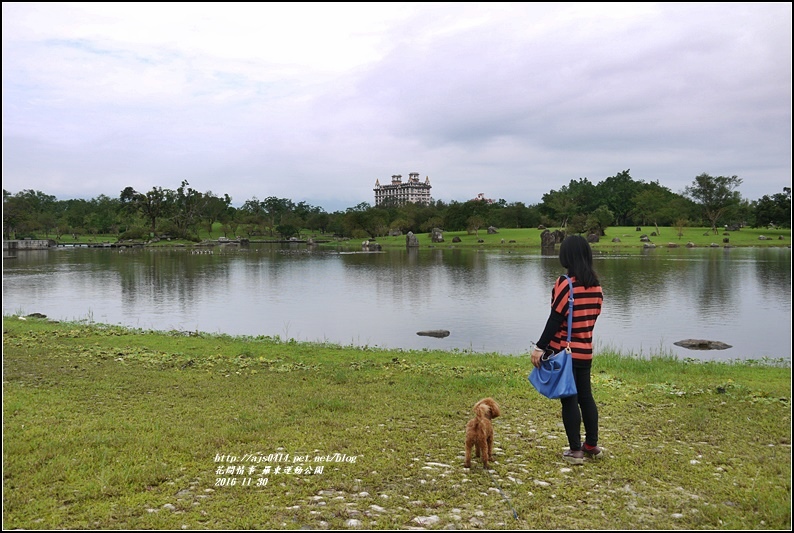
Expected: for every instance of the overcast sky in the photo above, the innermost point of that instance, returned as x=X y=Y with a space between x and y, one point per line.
x=314 y=102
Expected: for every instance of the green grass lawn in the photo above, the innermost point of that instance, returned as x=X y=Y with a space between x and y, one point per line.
x=527 y=238
x=629 y=238
x=110 y=428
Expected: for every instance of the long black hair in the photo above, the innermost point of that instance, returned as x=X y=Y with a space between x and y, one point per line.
x=577 y=257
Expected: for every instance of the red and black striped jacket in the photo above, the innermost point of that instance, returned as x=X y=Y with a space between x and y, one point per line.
x=586 y=308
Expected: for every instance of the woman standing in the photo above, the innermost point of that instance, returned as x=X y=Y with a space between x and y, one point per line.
x=577 y=258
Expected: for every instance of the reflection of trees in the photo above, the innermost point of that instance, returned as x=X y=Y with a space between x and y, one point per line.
x=160 y=275
x=704 y=280
x=649 y=277
x=466 y=270
x=413 y=275
x=716 y=280
x=723 y=294
x=772 y=269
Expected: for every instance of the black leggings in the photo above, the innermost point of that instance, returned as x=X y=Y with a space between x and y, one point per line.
x=572 y=417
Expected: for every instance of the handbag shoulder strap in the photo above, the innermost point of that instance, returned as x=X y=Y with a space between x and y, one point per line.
x=570 y=309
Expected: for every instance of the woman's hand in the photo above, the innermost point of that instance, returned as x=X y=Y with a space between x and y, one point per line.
x=537 y=353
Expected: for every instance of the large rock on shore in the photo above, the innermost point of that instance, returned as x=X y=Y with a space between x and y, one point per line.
x=549 y=238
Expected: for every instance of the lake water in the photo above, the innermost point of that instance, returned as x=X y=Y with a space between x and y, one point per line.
x=490 y=301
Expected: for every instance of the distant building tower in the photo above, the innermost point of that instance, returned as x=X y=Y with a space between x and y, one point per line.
x=399 y=193
x=481 y=198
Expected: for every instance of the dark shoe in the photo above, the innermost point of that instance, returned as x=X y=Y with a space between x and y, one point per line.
x=593 y=452
x=574 y=457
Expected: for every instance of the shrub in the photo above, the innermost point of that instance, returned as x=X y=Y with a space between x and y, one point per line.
x=134 y=234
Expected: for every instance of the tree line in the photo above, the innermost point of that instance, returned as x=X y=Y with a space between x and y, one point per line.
x=579 y=207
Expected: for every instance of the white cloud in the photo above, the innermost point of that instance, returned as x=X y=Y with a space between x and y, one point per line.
x=316 y=101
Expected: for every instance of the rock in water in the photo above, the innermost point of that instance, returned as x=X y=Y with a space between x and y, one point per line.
x=438 y=333
x=701 y=344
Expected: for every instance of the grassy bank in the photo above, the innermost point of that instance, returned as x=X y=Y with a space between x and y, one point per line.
x=522 y=238
x=629 y=238
x=110 y=428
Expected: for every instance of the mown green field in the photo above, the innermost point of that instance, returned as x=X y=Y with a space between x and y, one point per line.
x=525 y=238
x=629 y=238
x=111 y=428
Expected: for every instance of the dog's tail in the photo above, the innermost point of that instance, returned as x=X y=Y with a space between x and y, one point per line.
x=486 y=409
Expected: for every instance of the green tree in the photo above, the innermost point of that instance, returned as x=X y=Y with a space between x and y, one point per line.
x=26 y=212
x=189 y=204
x=318 y=221
x=252 y=216
x=577 y=223
x=739 y=214
x=458 y=215
x=399 y=224
x=432 y=222
x=289 y=225
x=515 y=215
x=216 y=209
x=474 y=223
x=275 y=208
x=657 y=205
x=229 y=227
x=417 y=217
x=77 y=215
x=455 y=217
x=377 y=223
x=152 y=206
x=305 y=210
x=618 y=193
x=774 y=210
x=679 y=225
x=561 y=206
x=104 y=217
x=356 y=219
x=599 y=220
x=649 y=204
x=14 y=213
x=715 y=195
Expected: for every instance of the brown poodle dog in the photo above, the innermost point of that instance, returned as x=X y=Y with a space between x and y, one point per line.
x=479 y=432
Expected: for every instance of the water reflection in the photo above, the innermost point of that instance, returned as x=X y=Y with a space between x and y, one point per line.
x=490 y=301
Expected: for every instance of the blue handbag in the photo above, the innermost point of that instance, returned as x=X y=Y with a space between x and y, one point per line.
x=554 y=377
